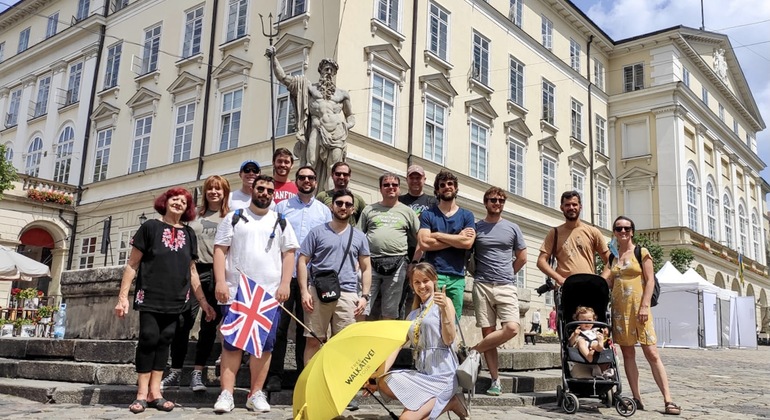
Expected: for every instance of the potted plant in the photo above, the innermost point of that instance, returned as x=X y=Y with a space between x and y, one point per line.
x=24 y=327
x=45 y=313
x=28 y=296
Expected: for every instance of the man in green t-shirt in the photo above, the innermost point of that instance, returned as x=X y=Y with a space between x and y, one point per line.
x=341 y=174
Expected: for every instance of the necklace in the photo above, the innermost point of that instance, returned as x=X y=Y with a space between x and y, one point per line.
x=417 y=324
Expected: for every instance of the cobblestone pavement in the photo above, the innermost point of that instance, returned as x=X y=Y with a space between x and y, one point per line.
x=708 y=384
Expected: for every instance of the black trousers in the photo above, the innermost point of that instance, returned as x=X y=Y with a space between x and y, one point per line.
x=293 y=304
x=156 y=331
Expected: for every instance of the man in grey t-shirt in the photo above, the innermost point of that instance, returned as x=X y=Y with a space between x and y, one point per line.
x=500 y=252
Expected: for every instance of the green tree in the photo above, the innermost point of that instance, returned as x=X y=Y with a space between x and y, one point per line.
x=7 y=173
x=681 y=258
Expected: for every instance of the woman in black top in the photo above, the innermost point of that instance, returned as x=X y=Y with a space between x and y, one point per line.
x=163 y=253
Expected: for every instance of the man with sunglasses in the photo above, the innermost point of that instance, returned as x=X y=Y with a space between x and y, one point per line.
x=324 y=250
x=341 y=174
x=241 y=198
x=446 y=232
x=263 y=249
x=304 y=213
x=389 y=226
x=576 y=243
x=499 y=253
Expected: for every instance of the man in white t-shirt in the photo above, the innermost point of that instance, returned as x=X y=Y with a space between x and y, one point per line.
x=261 y=247
x=241 y=198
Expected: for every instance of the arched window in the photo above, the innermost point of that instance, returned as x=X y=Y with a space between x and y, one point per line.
x=8 y=153
x=755 y=237
x=743 y=228
x=711 y=211
x=64 y=148
x=692 y=201
x=34 y=155
x=727 y=215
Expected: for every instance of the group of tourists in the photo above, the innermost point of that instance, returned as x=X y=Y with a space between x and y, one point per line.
x=332 y=260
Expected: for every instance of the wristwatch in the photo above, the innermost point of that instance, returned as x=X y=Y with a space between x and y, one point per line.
x=366 y=296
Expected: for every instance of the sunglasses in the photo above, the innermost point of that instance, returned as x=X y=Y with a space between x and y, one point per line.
x=308 y=177
x=390 y=185
x=446 y=184
x=343 y=204
x=250 y=171
x=342 y=174
x=261 y=190
x=623 y=228
x=496 y=200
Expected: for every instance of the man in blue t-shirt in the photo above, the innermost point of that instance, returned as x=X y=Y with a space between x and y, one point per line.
x=446 y=232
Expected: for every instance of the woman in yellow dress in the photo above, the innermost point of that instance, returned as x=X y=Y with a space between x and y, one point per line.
x=632 y=285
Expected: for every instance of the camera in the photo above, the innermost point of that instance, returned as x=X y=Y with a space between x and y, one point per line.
x=545 y=287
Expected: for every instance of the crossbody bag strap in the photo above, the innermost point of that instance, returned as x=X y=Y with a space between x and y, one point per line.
x=553 y=247
x=347 y=249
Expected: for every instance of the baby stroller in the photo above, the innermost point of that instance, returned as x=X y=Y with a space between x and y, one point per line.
x=592 y=291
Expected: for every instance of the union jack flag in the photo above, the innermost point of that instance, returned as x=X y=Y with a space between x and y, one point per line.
x=250 y=318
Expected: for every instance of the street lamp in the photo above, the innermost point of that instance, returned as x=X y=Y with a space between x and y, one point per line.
x=142 y=219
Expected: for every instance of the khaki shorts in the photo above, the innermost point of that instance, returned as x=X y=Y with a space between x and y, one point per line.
x=337 y=314
x=495 y=303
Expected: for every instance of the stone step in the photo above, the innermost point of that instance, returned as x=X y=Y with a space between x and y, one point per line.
x=521 y=382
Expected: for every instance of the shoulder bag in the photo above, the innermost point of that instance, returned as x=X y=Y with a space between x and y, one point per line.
x=327 y=282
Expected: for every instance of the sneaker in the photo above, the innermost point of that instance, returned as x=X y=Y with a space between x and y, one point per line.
x=273 y=384
x=196 y=381
x=171 y=381
x=495 y=389
x=258 y=402
x=224 y=402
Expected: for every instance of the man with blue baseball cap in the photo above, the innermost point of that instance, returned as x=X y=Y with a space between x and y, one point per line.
x=241 y=198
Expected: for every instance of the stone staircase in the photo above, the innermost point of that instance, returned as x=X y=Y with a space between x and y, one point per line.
x=102 y=372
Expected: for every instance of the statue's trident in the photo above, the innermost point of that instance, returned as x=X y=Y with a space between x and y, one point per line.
x=270 y=36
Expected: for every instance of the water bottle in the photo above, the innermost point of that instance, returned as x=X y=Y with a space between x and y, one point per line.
x=61 y=322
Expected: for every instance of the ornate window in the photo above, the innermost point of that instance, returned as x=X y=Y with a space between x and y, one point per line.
x=151 y=50
x=34 y=156
x=692 y=201
x=435 y=131
x=113 y=65
x=574 y=55
x=183 y=132
x=546 y=31
x=64 y=149
x=479 y=150
x=549 y=181
x=576 y=120
x=480 y=59
x=383 y=109
x=601 y=135
x=193 y=32
x=727 y=210
x=743 y=228
x=236 y=19
x=231 y=119
x=141 y=144
x=438 y=38
x=516 y=94
x=43 y=89
x=711 y=211
x=549 y=102
x=516 y=167
x=102 y=155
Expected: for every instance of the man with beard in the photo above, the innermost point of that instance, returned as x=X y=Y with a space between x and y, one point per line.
x=446 y=232
x=283 y=160
x=341 y=174
x=304 y=213
x=263 y=249
x=241 y=198
x=324 y=250
x=576 y=243
x=324 y=116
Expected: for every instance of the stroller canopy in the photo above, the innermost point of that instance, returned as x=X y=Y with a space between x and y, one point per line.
x=585 y=290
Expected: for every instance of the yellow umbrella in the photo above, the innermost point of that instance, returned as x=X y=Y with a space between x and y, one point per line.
x=335 y=374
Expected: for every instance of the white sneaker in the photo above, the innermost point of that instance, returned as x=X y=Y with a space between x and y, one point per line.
x=224 y=402
x=257 y=402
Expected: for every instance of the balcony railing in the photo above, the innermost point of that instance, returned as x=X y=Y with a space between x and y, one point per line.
x=48 y=191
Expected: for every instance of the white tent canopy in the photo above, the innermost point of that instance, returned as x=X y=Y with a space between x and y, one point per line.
x=14 y=266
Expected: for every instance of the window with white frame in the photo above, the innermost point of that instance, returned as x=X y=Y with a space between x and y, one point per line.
x=686 y=76
x=520 y=277
x=735 y=126
x=576 y=120
x=515 y=167
x=34 y=156
x=549 y=181
x=124 y=246
x=73 y=87
x=480 y=58
x=598 y=73
x=151 y=49
x=193 y=32
x=383 y=109
x=84 y=6
x=118 y=4
x=578 y=181
x=439 y=31
x=141 y=144
x=721 y=112
x=549 y=102
x=546 y=30
x=291 y=8
x=692 y=200
x=601 y=135
x=743 y=228
x=87 y=252
x=53 y=24
x=43 y=91
x=8 y=152
x=574 y=55
x=711 y=211
x=12 y=117
x=102 y=154
x=2 y=51
x=231 y=119
x=388 y=12
x=64 y=149
x=435 y=129
x=602 y=205
x=633 y=77
x=23 y=40
x=515 y=12
x=727 y=214
x=285 y=115
x=113 y=65
x=236 y=19
x=704 y=95
x=516 y=94
x=479 y=136
x=755 y=237
x=183 y=132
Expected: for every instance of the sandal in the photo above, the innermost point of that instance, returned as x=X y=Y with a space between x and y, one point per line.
x=142 y=404
x=639 y=405
x=160 y=404
x=672 y=409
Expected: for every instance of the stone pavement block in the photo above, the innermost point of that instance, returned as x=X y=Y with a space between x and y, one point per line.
x=116 y=374
x=15 y=348
x=45 y=347
x=57 y=371
x=32 y=390
x=105 y=351
x=8 y=368
x=521 y=360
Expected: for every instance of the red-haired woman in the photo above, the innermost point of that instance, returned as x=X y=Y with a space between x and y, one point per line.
x=163 y=252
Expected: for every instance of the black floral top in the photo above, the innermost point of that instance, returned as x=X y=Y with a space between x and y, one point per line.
x=163 y=281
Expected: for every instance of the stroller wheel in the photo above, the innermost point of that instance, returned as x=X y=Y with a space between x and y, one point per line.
x=625 y=406
x=570 y=403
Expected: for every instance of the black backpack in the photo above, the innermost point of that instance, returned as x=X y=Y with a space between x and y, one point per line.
x=280 y=221
x=656 y=288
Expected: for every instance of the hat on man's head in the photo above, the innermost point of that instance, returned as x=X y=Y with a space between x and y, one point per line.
x=415 y=169
x=250 y=162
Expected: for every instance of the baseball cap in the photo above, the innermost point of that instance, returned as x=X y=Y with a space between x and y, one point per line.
x=415 y=168
x=250 y=162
